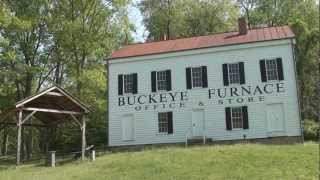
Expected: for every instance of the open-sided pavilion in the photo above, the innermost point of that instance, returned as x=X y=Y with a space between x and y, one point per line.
x=51 y=107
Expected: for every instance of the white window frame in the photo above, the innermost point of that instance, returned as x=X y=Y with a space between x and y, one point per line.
x=124 y=83
x=166 y=123
x=157 y=80
x=201 y=80
x=267 y=69
x=229 y=73
x=241 y=116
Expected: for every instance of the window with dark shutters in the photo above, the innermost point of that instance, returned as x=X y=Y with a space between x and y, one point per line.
x=188 y=78
x=225 y=74
x=228 y=118
x=237 y=118
x=280 y=69
x=120 y=84
x=165 y=122
x=161 y=81
x=263 y=70
x=242 y=73
x=204 y=77
x=168 y=72
x=271 y=70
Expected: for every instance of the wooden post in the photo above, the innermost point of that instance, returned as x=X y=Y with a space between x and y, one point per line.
x=19 y=136
x=83 y=129
x=51 y=159
x=93 y=155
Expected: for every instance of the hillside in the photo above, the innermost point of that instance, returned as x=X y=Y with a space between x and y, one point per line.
x=209 y=162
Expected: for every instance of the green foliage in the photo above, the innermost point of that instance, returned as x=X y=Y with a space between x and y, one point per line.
x=184 y=18
x=245 y=162
x=303 y=17
x=65 y=43
x=311 y=130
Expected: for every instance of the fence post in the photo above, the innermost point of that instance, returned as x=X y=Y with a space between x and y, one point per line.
x=93 y=155
x=51 y=159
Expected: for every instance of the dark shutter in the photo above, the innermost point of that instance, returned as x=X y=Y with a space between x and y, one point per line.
x=228 y=118
x=154 y=81
x=245 y=117
x=120 y=84
x=225 y=74
x=263 y=70
x=170 y=123
x=280 y=69
x=135 y=83
x=242 y=73
x=168 y=72
x=204 y=77
x=188 y=76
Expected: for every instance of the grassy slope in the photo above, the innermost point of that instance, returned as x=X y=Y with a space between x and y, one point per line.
x=211 y=162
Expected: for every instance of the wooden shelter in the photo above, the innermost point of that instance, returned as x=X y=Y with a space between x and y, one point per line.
x=52 y=107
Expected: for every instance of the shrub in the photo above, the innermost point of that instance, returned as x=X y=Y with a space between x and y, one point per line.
x=311 y=130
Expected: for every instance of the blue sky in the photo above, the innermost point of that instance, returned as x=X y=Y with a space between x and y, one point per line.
x=136 y=18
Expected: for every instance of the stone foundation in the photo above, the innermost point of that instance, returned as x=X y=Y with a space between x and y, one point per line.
x=283 y=140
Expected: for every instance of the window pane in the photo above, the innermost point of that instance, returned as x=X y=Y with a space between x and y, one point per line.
x=197 y=77
x=236 y=116
x=128 y=83
x=163 y=122
x=272 y=72
x=162 y=80
x=234 y=73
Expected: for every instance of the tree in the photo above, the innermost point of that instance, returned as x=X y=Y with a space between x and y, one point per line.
x=169 y=19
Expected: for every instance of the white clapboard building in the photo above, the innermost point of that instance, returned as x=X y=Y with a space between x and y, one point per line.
x=226 y=86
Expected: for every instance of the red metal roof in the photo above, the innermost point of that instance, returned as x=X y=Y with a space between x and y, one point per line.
x=214 y=40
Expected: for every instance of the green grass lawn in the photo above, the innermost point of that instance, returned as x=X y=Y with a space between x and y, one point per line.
x=202 y=162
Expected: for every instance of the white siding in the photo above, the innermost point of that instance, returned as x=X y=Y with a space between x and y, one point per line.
x=146 y=121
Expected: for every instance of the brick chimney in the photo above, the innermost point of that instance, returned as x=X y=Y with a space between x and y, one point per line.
x=242 y=25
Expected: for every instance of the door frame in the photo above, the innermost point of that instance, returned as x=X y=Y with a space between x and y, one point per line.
x=133 y=127
x=203 y=120
x=277 y=132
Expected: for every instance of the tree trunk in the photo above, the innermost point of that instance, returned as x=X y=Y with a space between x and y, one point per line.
x=5 y=142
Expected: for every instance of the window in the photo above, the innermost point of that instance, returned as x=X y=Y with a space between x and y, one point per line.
x=165 y=124
x=128 y=83
x=236 y=118
x=271 y=69
x=162 y=80
x=196 y=77
x=234 y=73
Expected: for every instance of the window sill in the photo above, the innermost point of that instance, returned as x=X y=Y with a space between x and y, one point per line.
x=272 y=81
x=128 y=140
x=238 y=129
x=196 y=88
x=164 y=134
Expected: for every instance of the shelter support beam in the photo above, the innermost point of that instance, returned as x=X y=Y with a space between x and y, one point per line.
x=50 y=110
x=83 y=130
x=19 y=124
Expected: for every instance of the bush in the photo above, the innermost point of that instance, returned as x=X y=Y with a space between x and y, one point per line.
x=311 y=130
